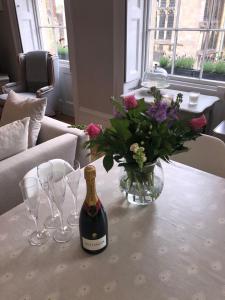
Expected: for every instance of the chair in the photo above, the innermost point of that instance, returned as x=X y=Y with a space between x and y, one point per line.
x=39 y=71
x=207 y=153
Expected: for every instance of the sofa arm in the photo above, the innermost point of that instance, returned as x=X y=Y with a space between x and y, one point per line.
x=15 y=86
x=13 y=169
x=43 y=91
x=51 y=128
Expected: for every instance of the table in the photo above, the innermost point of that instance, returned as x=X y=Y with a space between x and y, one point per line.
x=220 y=129
x=173 y=249
x=205 y=102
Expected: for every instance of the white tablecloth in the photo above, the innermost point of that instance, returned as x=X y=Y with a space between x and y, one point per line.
x=173 y=249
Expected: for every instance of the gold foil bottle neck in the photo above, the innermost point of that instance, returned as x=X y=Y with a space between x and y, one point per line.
x=89 y=172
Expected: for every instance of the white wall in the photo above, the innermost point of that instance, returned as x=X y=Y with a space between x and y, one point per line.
x=65 y=89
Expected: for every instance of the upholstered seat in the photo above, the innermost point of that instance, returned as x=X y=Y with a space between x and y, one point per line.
x=207 y=153
x=39 y=73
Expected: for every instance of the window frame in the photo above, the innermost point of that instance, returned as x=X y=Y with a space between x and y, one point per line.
x=176 y=29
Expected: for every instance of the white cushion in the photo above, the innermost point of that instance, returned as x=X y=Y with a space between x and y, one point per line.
x=17 y=108
x=14 y=138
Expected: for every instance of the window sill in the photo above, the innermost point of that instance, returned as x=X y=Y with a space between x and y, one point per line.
x=184 y=83
x=64 y=63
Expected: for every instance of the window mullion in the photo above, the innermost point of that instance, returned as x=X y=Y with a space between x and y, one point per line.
x=175 y=36
x=53 y=26
x=206 y=40
x=36 y=18
x=145 y=37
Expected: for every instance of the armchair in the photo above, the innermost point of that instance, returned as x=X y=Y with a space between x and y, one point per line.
x=39 y=71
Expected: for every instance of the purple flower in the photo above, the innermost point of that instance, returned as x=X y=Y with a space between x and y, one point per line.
x=172 y=114
x=158 y=111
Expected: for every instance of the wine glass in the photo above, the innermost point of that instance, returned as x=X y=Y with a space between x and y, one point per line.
x=45 y=175
x=29 y=187
x=58 y=188
x=73 y=179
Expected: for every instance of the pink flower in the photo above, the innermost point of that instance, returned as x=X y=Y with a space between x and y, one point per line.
x=93 y=130
x=198 y=123
x=130 y=102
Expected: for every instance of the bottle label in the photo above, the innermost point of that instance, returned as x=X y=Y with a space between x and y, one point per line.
x=94 y=245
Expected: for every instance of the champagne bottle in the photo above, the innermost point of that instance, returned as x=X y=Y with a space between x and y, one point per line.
x=93 y=220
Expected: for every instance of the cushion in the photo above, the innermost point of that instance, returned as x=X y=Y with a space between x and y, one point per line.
x=14 y=138
x=17 y=108
x=36 y=70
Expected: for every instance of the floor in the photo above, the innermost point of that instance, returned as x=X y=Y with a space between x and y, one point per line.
x=64 y=118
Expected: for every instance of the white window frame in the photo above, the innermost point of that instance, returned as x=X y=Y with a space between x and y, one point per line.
x=211 y=84
x=64 y=62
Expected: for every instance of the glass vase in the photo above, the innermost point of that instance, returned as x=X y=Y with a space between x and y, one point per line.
x=143 y=186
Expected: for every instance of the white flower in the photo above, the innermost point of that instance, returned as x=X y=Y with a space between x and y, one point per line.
x=134 y=147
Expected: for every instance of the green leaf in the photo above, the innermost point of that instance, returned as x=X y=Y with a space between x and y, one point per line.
x=142 y=106
x=108 y=162
x=121 y=126
x=119 y=107
x=78 y=126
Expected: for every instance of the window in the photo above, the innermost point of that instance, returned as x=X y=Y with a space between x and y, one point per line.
x=51 y=25
x=166 y=19
x=187 y=38
x=42 y=25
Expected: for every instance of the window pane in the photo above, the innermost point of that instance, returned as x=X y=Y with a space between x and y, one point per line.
x=218 y=15
x=214 y=64
x=160 y=51
x=163 y=13
x=55 y=41
x=194 y=49
x=194 y=14
x=51 y=12
x=189 y=53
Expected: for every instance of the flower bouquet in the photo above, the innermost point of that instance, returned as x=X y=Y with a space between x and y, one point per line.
x=140 y=135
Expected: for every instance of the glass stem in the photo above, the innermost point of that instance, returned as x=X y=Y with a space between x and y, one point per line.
x=36 y=225
x=51 y=206
x=75 y=206
x=61 y=220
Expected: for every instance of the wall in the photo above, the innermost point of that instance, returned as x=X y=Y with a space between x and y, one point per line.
x=10 y=42
x=65 y=88
x=96 y=31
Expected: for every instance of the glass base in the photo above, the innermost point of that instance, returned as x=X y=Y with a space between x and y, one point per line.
x=73 y=219
x=143 y=186
x=52 y=222
x=38 y=238
x=144 y=196
x=134 y=199
x=63 y=236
